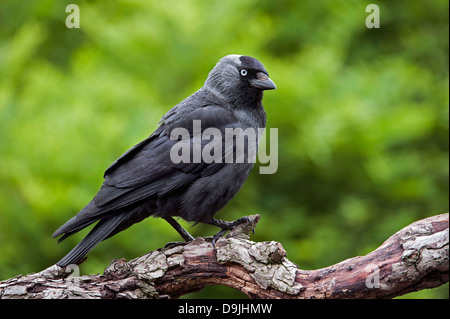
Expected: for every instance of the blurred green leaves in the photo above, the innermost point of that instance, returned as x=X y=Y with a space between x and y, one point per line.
x=362 y=118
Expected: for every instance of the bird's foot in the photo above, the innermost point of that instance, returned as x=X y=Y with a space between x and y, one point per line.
x=175 y=243
x=183 y=233
x=230 y=226
x=217 y=236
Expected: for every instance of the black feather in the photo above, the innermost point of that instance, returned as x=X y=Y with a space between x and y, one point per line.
x=145 y=181
x=105 y=227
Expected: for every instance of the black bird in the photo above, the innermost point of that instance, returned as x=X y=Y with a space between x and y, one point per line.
x=146 y=180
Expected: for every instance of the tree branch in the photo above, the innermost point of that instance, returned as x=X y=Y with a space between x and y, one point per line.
x=415 y=258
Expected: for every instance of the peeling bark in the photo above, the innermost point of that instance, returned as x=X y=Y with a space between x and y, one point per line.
x=415 y=258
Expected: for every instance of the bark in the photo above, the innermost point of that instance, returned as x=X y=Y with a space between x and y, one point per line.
x=414 y=258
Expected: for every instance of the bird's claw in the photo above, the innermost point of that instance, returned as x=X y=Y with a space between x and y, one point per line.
x=228 y=226
x=217 y=236
x=175 y=243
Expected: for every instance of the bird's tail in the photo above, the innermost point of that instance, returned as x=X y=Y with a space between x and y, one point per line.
x=101 y=231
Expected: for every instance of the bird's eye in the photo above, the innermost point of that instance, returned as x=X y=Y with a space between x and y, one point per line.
x=244 y=72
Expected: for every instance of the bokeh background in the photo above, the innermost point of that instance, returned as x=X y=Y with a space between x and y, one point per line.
x=362 y=117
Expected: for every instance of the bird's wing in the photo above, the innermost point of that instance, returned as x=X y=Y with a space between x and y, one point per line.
x=147 y=170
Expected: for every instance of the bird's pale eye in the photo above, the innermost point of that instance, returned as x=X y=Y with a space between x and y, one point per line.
x=244 y=72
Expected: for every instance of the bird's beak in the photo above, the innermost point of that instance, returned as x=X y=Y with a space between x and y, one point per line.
x=263 y=82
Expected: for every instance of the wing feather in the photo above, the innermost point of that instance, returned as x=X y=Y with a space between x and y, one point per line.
x=147 y=170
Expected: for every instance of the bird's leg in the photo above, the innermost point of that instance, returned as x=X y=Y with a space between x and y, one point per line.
x=226 y=226
x=183 y=233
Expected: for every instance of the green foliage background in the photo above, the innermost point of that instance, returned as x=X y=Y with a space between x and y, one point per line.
x=362 y=118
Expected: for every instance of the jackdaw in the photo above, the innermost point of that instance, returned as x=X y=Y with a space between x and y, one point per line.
x=146 y=180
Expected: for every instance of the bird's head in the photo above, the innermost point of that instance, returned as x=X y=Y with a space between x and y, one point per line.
x=239 y=79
